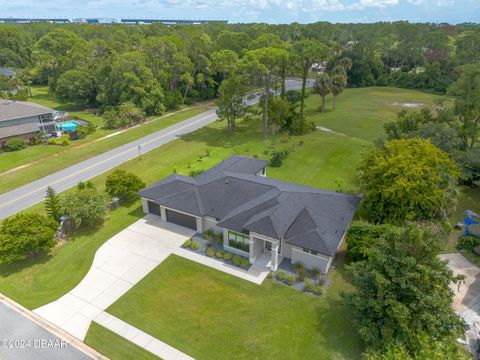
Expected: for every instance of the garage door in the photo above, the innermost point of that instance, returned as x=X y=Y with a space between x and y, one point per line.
x=182 y=219
x=154 y=208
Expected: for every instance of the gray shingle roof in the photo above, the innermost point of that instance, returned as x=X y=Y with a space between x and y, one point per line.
x=19 y=109
x=304 y=216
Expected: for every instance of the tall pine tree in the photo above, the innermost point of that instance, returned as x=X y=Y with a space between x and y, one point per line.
x=52 y=204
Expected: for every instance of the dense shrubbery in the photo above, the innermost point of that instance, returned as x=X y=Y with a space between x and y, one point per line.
x=14 y=144
x=277 y=158
x=362 y=235
x=24 y=235
x=123 y=184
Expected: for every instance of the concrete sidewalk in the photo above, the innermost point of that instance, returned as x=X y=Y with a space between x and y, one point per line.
x=119 y=264
x=140 y=338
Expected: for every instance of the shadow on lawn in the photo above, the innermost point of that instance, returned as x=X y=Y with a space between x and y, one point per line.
x=9 y=269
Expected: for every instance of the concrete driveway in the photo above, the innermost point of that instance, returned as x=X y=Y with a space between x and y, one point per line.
x=467 y=297
x=119 y=264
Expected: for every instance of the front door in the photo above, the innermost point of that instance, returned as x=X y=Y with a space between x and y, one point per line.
x=268 y=246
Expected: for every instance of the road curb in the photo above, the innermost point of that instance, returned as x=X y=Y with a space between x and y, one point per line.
x=55 y=330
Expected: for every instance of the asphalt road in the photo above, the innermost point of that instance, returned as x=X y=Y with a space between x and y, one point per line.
x=29 y=341
x=34 y=192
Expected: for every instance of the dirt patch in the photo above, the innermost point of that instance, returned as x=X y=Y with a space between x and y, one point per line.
x=410 y=105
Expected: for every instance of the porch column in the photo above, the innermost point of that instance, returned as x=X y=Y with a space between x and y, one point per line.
x=251 y=253
x=274 y=258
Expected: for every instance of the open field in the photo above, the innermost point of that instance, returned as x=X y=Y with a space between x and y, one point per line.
x=362 y=112
x=114 y=346
x=323 y=160
x=212 y=315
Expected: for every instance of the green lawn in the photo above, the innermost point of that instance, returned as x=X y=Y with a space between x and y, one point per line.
x=212 y=315
x=362 y=112
x=114 y=346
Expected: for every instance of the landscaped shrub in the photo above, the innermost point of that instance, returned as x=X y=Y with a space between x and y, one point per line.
x=195 y=245
x=290 y=279
x=467 y=243
x=14 y=144
x=228 y=256
x=276 y=160
x=84 y=206
x=195 y=172
x=187 y=243
x=219 y=238
x=211 y=252
x=320 y=280
x=245 y=263
x=281 y=276
x=209 y=235
x=270 y=275
x=219 y=254
x=302 y=273
x=308 y=286
x=64 y=142
x=318 y=290
x=297 y=266
x=237 y=260
x=315 y=272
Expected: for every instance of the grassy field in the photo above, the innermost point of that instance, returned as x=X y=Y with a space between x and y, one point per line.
x=211 y=315
x=319 y=159
x=114 y=346
x=362 y=112
x=37 y=161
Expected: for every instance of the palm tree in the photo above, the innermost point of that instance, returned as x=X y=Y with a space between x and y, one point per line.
x=323 y=87
x=339 y=83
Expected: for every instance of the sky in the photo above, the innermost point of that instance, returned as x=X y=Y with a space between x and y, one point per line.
x=269 y=11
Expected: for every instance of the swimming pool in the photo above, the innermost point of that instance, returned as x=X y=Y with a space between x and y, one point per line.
x=68 y=126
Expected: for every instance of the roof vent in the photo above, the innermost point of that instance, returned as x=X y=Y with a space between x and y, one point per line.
x=227 y=182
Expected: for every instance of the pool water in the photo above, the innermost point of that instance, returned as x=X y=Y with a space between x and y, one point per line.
x=68 y=126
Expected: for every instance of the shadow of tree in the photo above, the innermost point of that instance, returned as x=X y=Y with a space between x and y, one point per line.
x=17 y=266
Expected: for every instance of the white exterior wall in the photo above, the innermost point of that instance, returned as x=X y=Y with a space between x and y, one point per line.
x=256 y=247
x=211 y=223
x=145 y=205
x=310 y=260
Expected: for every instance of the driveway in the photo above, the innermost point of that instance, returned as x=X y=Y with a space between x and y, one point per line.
x=467 y=297
x=118 y=265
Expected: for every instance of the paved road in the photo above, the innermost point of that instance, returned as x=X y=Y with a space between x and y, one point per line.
x=29 y=341
x=34 y=192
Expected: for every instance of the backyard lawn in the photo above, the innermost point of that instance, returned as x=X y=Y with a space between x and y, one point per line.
x=114 y=346
x=211 y=315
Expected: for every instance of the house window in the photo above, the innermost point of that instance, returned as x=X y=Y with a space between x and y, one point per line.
x=239 y=241
x=313 y=252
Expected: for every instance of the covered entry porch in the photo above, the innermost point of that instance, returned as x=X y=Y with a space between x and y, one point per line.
x=265 y=251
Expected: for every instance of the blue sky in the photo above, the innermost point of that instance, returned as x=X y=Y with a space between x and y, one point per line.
x=270 y=11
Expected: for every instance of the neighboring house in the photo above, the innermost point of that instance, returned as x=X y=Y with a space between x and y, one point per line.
x=24 y=119
x=256 y=214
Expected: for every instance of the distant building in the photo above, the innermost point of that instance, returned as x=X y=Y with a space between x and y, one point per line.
x=170 y=22
x=7 y=72
x=24 y=119
x=99 y=21
x=319 y=67
x=32 y=20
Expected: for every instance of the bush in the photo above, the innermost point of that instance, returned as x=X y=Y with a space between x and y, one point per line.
x=245 y=263
x=195 y=245
x=195 y=172
x=270 y=275
x=14 y=144
x=276 y=160
x=228 y=256
x=281 y=276
x=211 y=252
x=237 y=260
x=361 y=236
x=64 y=142
x=24 y=235
x=467 y=243
x=290 y=279
x=219 y=238
x=123 y=184
x=308 y=286
x=209 y=235
x=187 y=243
x=84 y=206
x=297 y=266
x=315 y=272
x=302 y=273
x=219 y=254
x=317 y=290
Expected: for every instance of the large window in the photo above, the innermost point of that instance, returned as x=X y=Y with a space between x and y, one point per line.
x=239 y=241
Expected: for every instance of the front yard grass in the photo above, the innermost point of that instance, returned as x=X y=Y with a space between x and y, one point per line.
x=114 y=346
x=211 y=315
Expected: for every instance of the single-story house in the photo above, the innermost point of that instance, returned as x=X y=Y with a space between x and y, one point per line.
x=256 y=214
x=24 y=119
